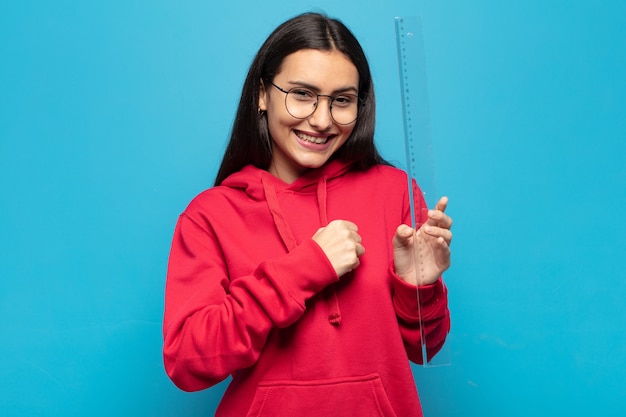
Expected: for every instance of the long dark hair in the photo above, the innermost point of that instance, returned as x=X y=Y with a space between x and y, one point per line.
x=250 y=141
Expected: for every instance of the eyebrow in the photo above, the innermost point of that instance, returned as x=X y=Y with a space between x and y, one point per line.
x=316 y=89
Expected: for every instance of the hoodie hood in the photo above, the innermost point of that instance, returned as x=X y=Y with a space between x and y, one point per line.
x=249 y=179
x=260 y=185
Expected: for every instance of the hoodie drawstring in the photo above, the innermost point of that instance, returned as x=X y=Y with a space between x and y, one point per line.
x=330 y=292
x=279 y=219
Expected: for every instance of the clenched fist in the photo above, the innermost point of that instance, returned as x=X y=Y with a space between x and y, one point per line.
x=342 y=245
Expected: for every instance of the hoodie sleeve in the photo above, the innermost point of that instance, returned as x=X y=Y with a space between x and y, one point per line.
x=215 y=324
x=423 y=316
x=422 y=311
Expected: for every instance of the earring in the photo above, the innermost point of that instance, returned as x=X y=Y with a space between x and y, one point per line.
x=261 y=112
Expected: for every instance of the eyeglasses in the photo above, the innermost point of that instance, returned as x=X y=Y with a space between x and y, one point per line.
x=301 y=103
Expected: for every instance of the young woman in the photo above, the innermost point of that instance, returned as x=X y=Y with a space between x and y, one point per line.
x=295 y=274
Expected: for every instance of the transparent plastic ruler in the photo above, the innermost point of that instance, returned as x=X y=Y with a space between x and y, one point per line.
x=416 y=111
x=418 y=143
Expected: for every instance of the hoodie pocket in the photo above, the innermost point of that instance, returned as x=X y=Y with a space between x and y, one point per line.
x=362 y=396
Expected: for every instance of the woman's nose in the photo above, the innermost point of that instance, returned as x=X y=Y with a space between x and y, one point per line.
x=322 y=118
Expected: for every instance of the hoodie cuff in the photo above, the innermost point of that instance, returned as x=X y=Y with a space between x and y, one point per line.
x=405 y=296
x=304 y=271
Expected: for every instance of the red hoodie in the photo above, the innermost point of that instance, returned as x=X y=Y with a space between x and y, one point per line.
x=250 y=294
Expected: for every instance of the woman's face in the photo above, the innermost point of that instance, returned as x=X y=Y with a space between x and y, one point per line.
x=299 y=145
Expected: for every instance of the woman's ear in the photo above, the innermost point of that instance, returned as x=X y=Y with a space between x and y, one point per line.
x=262 y=97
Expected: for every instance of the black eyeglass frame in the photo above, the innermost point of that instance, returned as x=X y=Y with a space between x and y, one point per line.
x=331 y=99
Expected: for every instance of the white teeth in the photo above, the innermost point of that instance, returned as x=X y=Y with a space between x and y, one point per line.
x=312 y=139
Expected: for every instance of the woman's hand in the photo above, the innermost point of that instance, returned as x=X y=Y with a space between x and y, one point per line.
x=421 y=256
x=342 y=245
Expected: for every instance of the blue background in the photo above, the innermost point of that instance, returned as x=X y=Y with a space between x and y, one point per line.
x=114 y=114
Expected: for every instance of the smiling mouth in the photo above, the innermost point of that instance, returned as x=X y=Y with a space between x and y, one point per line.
x=312 y=139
